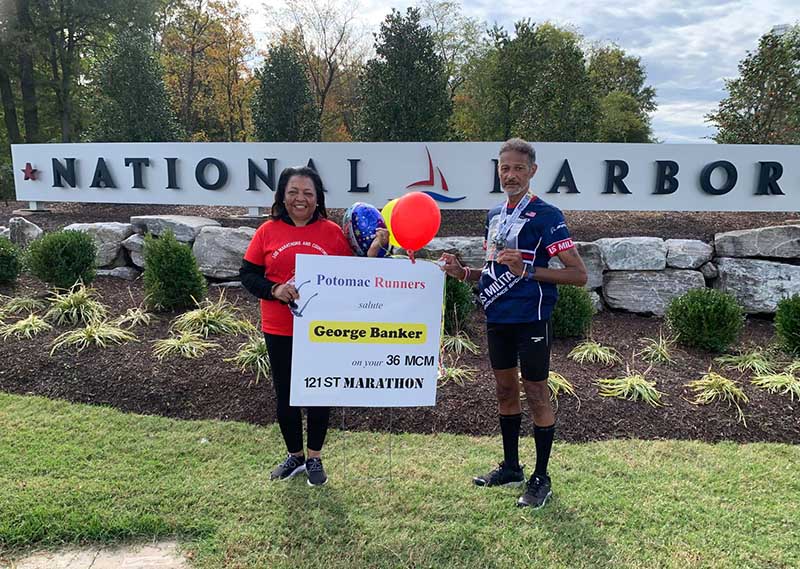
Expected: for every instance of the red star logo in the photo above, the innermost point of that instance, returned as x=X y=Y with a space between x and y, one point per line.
x=29 y=171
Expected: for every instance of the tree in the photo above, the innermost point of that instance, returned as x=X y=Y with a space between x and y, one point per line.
x=621 y=120
x=133 y=102
x=763 y=103
x=610 y=69
x=324 y=34
x=533 y=85
x=185 y=44
x=560 y=105
x=204 y=49
x=283 y=105
x=71 y=31
x=403 y=90
x=230 y=74
x=457 y=38
x=6 y=72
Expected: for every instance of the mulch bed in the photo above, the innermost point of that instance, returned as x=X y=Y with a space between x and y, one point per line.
x=129 y=378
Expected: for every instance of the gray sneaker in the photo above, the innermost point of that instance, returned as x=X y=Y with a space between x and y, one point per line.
x=315 y=471
x=537 y=492
x=288 y=468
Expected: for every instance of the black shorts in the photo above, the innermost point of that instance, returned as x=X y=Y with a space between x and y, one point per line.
x=526 y=345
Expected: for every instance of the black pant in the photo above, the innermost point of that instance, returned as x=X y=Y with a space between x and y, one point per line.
x=290 y=419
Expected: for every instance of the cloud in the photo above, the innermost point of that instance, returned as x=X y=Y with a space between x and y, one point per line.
x=687 y=48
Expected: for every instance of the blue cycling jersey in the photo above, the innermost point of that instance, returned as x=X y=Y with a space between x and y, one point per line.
x=539 y=233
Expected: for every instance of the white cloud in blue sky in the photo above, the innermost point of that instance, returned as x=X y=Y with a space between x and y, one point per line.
x=688 y=48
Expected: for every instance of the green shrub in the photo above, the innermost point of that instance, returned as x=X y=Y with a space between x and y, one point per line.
x=787 y=323
x=9 y=261
x=171 y=276
x=458 y=305
x=62 y=258
x=705 y=318
x=573 y=312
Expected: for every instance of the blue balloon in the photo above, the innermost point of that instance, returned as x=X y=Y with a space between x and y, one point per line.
x=360 y=224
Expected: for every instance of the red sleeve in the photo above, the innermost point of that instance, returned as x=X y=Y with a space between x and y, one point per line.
x=339 y=245
x=255 y=251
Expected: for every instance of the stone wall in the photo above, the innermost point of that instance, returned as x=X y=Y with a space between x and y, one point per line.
x=758 y=267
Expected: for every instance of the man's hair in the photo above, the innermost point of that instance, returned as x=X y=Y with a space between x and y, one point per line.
x=519 y=145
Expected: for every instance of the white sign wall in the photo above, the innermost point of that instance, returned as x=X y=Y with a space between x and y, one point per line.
x=572 y=176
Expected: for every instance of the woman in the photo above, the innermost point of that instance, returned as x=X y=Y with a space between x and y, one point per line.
x=299 y=225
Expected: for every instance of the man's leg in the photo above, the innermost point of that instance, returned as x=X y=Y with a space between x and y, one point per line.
x=535 y=364
x=510 y=412
x=544 y=422
x=503 y=356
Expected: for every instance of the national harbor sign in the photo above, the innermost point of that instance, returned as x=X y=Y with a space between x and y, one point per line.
x=460 y=175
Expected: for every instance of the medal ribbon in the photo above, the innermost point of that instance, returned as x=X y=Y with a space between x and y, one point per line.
x=507 y=221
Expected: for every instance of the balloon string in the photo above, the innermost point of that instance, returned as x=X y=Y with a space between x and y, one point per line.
x=411 y=256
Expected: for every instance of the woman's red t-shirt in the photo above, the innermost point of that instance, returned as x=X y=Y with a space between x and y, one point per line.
x=275 y=246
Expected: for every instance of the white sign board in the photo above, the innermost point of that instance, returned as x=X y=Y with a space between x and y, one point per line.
x=369 y=332
x=459 y=175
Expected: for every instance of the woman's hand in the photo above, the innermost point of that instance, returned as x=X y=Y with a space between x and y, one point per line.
x=285 y=293
x=513 y=259
x=381 y=241
x=450 y=265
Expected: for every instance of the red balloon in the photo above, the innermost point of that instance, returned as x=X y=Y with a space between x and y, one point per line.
x=415 y=220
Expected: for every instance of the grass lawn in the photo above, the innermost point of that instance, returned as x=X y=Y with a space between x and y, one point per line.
x=74 y=473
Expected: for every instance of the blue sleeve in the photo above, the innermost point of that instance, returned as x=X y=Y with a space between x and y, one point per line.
x=556 y=236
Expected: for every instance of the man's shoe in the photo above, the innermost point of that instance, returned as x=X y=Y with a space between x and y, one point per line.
x=537 y=492
x=315 y=471
x=501 y=476
x=288 y=468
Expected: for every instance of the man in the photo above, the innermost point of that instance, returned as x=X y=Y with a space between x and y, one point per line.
x=518 y=292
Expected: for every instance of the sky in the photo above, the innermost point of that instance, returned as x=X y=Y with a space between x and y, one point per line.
x=688 y=48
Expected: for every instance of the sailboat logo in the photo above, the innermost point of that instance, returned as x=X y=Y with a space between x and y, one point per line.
x=430 y=182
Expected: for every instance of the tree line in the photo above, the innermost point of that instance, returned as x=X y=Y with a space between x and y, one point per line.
x=189 y=70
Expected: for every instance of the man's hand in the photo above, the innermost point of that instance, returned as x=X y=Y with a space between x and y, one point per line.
x=512 y=258
x=450 y=265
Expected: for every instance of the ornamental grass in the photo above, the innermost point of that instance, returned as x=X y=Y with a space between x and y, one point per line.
x=76 y=306
x=184 y=345
x=715 y=387
x=633 y=387
x=96 y=333
x=252 y=356
x=25 y=328
x=594 y=352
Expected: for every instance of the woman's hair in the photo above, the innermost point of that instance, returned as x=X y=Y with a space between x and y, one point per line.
x=279 y=207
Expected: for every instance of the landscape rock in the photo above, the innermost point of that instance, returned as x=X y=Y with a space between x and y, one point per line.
x=125 y=273
x=228 y=284
x=597 y=301
x=22 y=232
x=781 y=241
x=135 y=247
x=219 y=250
x=108 y=238
x=633 y=253
x=648 y=291
x=709 y=270
x=687 y=253
x=185 y=227
x=758 y=285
